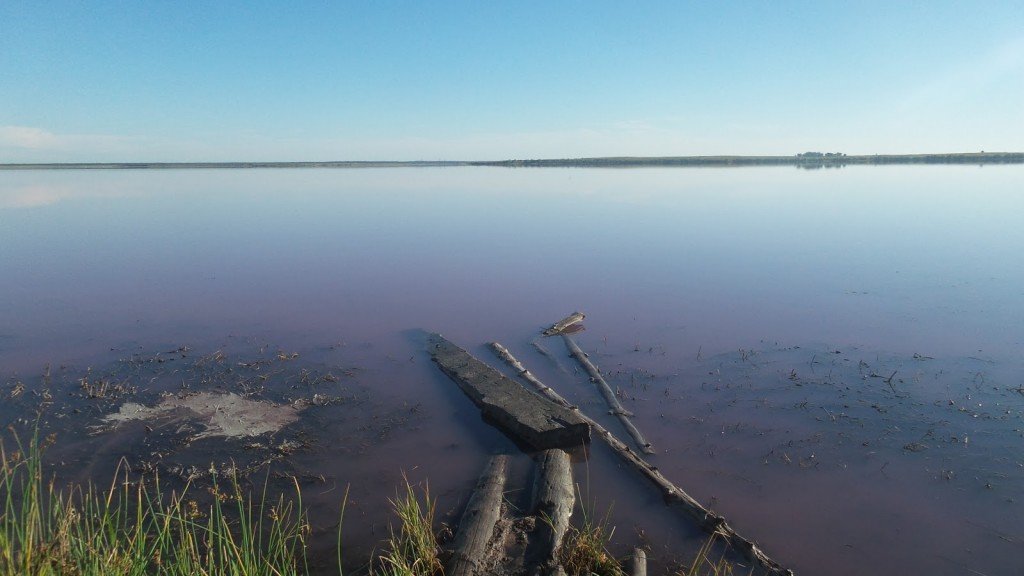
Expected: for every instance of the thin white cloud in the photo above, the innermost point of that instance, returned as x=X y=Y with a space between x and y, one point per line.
x=27 y=137
x=971 y=103
x=971 y=78
x=29 y=143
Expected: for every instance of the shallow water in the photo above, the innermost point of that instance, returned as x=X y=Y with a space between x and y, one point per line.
x=754 y=273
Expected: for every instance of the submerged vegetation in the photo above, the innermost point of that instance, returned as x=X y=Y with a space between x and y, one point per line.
x=704 y=565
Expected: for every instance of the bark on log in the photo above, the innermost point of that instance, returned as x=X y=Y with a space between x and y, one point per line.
x=639 y=564
x=477 y=524
x=553 y=501
x=674 y=495
x=613 y=403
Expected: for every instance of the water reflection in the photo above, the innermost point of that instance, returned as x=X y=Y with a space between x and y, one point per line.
x=908 y=257
x=681 y=264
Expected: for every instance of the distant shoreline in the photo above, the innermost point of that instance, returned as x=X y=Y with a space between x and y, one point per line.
x=807 y=160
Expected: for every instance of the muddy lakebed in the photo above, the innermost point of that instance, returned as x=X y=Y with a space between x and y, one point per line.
x=830 y=359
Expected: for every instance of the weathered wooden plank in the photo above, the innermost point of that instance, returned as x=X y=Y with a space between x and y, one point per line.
x=477 y=524
x=523 y=415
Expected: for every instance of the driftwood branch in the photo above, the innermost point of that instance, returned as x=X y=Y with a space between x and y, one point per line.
x=477 y=524
x=675 y=496
x=613 y=402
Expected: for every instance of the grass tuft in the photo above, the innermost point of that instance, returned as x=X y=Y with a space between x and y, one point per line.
x=585 y=548
x=703 y=565
x=413 y=550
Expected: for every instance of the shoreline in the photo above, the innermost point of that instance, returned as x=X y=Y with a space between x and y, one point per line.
x=800 y=161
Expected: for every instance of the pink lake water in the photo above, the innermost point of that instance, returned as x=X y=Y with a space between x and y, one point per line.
x=751 y=318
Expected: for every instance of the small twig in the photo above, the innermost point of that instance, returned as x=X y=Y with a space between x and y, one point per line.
x=830 y=415
x=889 y=381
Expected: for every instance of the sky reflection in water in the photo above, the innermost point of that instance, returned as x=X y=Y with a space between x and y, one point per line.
x=905 y=259
x=681 y=263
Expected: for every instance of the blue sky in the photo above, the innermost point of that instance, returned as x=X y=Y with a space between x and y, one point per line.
x=182 y=81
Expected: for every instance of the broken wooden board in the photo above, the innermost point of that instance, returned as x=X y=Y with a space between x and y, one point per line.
x=519 y=413
x=564 y=324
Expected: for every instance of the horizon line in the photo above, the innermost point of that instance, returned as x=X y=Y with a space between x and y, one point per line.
x=805 y=158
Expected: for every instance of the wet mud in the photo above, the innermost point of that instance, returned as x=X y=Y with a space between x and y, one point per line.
x=848 y=458
x=816 y=452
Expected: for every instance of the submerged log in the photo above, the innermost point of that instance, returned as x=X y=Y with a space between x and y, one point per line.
x=523 y=415
x=544 y=352
x=477 y=524
x=674 y=496
x=553 y=501
x=613 y=403
x=561 y=325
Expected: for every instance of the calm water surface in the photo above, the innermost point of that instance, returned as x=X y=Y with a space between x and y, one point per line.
x=678 y=271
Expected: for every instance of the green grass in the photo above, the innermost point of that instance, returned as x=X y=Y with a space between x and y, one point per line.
x=412 y=550
x=585 y=548
x=585 y=551
x=131 y=528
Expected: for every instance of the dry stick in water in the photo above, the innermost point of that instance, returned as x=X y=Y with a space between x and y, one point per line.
x=477 y=524
x=675 y=496
x=639 y=567
x=616 y=408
